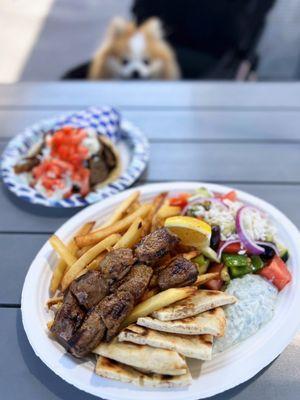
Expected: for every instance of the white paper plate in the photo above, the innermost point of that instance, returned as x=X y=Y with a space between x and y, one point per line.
x=225 y=371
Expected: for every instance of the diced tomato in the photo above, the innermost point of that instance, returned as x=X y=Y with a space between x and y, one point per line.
x=180 y=200
x=232 y=196
x=277 y=272
x=232 y=248
x=67 y=160
x=215 y=284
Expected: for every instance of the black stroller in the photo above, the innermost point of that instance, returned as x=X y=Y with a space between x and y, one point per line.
x=212 y=39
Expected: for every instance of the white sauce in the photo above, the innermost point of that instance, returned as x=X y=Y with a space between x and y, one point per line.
x=254 y=308
x=91 y=142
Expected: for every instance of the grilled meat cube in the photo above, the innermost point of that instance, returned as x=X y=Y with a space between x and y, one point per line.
x=109 y=157
x=180 y=272
x=101 y=164
x=26 y=165
x=136 y=281
x=117 y=264
x=89 y=335
x=155 y=246
x=89 y=289
x=114 y=309
x=67 y=319
x=98 y=170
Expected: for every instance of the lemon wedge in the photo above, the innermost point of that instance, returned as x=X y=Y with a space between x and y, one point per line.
x=192 y=231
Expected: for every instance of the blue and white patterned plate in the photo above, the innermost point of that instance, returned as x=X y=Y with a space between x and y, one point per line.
x=130 y=141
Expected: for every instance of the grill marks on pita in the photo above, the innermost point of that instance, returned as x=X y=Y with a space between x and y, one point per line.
x=212 y=322
x=192 y=346
x=203 y=300
x=111 y=369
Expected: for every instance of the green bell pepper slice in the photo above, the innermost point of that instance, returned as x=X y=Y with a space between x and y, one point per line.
x=257 y=263
x=202 y=263
x=236 y=260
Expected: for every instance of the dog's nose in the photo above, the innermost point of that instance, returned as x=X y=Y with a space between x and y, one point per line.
x=135 y=74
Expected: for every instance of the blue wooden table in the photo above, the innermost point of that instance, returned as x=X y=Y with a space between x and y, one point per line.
x=242 y=135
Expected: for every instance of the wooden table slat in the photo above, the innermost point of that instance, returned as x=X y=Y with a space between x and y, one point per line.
x=152 y=94
x=259 y=162
x=182 y=124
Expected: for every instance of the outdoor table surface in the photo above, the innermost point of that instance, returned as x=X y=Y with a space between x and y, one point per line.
x=244 y=135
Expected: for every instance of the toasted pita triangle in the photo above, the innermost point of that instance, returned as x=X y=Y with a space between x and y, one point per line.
x=211 y=322
x=193 y=346
x=114 y=370
x=202 y=300
x=145 y=358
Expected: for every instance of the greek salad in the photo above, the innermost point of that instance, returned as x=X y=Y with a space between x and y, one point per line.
x=243 y=239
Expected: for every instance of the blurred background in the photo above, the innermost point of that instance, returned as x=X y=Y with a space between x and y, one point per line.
x=50 y=40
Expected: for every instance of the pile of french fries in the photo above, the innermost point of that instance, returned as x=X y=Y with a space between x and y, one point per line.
x=130 y=222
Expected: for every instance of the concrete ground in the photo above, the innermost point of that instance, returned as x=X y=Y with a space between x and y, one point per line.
x=40 y=40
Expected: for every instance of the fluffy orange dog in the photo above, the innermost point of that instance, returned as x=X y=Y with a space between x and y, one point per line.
x=131 y=52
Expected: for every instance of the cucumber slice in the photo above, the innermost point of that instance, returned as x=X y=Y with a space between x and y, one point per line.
x=210 y=254
x=283 y=252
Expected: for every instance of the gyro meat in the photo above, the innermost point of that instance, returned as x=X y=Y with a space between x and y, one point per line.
x=114 y=309
x=89 y=335
x=67 y=319
x=136 y=281
x=117 y=264
x=155 y=246
x=180 y=272
x=89 y=289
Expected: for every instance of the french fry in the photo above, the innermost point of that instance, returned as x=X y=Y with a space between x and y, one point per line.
x=54 y=300
x=134 y=206
x=206 y=277
x=80 y=252
x=157 y=202
x=132 y=235
x=61 y=265
x=50 y=323
x=163 y=213
x=158 y=301
x=82 y=272
x=84 y=260
x=95 y=263
x=120 y=226
x=62 y=250
x=190 y=254
x=167 y=211
x=122 y=209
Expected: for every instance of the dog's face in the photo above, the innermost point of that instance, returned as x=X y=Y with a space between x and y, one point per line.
x=136 y=53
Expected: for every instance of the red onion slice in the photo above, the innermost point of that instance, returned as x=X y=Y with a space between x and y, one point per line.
x=249 y=244
x=225 y=244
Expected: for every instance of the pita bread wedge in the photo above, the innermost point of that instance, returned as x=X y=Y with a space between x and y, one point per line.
x=145 y=358
x=198 y=346
x=114 y=370
x=211 y=322
x=202 y=300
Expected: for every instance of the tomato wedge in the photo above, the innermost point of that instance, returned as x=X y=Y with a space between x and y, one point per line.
x=180 y=200
x=215 y=284
x=276 y=272
x=232 y=196
x=232 y=248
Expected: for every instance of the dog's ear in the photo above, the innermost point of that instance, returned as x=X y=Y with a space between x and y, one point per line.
x=118 y=27
x=153 y=27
